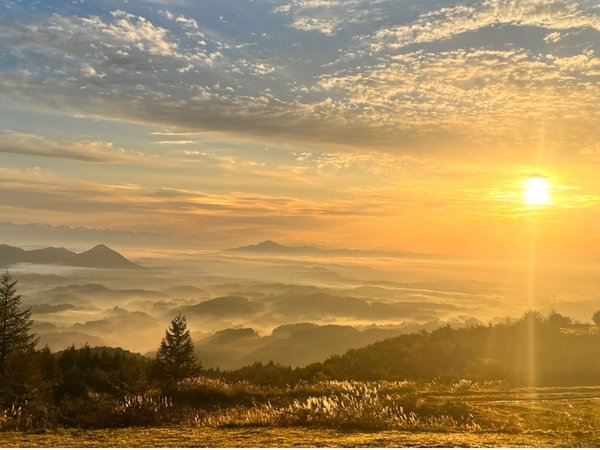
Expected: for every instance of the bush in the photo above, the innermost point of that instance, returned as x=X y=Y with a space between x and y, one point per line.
x=93 y=411
x=202 y=392
x=102 y=411
x=143 y=411
x=26 y=417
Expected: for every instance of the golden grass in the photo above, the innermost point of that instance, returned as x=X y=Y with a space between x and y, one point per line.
x=355 y=415
x=289 y=437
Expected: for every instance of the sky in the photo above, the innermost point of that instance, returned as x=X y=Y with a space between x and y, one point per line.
x=373 y=124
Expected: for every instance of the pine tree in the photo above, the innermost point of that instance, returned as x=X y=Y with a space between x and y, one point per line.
x=15 y=322
x=175 y=359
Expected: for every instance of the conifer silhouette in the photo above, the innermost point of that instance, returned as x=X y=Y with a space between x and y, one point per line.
x=15 y=322
x=175 y=359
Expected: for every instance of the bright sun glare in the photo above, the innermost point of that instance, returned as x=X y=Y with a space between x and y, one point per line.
x=536 y=192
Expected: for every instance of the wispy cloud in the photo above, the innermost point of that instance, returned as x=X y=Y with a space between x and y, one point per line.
x=47 y=198
x=180 y=142
x=88 y=151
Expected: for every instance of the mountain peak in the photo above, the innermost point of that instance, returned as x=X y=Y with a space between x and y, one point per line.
x=264 y=246
x=101 y=248
x=269 y=244
x=102 y=256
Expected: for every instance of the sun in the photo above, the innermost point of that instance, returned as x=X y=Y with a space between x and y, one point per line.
x=536 y=192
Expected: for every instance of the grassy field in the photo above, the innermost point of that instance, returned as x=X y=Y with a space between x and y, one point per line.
x=290 y=437
x=359 y=415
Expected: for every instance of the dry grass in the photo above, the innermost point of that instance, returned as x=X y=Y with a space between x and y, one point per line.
x=350 y=405
x=289 y=437
x=340 y=414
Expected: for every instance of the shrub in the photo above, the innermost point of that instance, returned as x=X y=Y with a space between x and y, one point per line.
x=202 y=392
x=462 y=386
x=26 y=417
x=144 y=410
x=15 y=418
x=93 y=411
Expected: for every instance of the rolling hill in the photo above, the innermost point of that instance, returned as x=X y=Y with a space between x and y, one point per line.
x=230 y=306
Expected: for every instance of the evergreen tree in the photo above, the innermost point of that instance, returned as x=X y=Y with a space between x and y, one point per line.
x=175 y=359
x=15 y=323
x=596 y=318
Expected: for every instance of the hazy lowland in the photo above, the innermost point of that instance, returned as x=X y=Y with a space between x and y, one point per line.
x=290 y=305
x=294 y=338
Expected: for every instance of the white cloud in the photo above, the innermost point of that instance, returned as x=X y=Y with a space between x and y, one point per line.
x=553 y=37
x=187 y=22
x=88 y=70
x=446 y=23
x=127 y=30
x=324 y=16
x=469 y=90
x=263 y=69
x=343 y=93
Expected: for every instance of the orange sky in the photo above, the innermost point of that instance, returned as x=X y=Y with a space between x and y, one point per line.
x=410 y=126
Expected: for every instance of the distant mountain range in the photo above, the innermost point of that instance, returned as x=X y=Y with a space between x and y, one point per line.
x=274 y=247
x=271 y=247
x=100 y=257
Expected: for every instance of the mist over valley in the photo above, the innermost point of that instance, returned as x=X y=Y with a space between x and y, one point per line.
x=271 y=302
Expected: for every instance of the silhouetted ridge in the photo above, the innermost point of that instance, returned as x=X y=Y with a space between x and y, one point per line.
x=50 y=255
x=270 y=246
x=100 y=256
x=11 y=255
